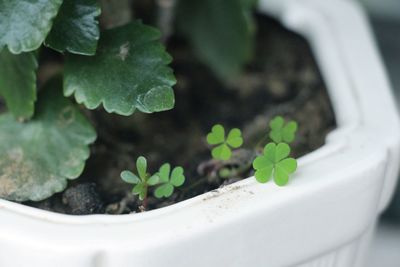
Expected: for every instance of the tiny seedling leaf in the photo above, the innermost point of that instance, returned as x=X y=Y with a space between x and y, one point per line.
x=177 y=177
x=217 y=135
x=141 y=166
x=274 y=161
x=281 y=132
x=235 y=139
x=153 y=180
x=283 y=169
x=222 y=149
x=164 y=190
x=164 y=172
x=222 y=152
x=169 y=180
x=137 y=189
x=130 y=177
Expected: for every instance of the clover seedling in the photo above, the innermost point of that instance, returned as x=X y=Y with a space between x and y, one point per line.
x=224 y=145
x=168 y=180
x=275 y=161
x=281 y=132
x=142 y=181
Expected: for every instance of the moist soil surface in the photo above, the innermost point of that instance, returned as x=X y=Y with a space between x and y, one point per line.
x=282 y=79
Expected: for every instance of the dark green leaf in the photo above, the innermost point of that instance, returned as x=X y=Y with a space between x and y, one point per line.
x=24 y=24
x=128 y=71
x=75 y=29
x=37 y=157
x=220 y=31
x=18 y=82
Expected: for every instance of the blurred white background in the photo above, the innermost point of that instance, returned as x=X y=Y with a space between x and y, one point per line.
x=385 y=20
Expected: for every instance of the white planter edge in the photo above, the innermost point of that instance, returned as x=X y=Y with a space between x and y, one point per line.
x=324 y=217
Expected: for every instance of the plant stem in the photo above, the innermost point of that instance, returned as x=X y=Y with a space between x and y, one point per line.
x=144 y=201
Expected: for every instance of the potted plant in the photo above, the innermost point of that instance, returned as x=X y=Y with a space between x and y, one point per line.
x=323 y=217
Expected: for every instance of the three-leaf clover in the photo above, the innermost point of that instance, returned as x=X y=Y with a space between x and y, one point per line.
x=274 y=161
x=168 y=180
x=281 y=132
x=141 y=182
x=223 y=149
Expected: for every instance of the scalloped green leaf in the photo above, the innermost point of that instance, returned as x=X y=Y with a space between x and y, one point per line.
x=24 y=24
x=221 y=32
x=129 y=71
x=38 y=157
x=18 y=82
x=75 y=29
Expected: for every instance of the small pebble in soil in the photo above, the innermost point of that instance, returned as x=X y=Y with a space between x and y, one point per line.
x=83 y=199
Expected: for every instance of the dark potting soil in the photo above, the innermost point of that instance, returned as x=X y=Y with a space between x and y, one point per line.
x=283 y=79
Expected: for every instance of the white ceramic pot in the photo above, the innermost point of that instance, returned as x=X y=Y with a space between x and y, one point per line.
x=324 y=217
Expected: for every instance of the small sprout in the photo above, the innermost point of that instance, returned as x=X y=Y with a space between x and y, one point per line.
x=168 y=180
x=223 y=149
x=281 y=132
x=141 y=182
x=275 y=161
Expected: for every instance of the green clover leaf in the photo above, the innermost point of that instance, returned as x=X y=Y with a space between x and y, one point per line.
x=274 y=161
x=223 y=147
x=281 y=132
x=169 y=180
x=142 y=181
